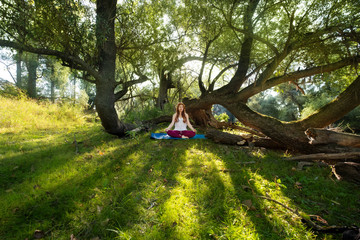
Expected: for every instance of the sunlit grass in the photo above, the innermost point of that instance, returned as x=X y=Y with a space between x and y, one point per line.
x=25 y=114
x=115 y=188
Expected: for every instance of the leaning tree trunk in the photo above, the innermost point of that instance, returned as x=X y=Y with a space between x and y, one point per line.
x=199 y=110
x=292 y=134
x=105 y=86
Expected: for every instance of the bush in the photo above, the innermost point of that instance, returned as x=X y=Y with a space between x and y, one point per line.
x=223 y=117
x=146 y=113
x=9 y=90
x=351 y=121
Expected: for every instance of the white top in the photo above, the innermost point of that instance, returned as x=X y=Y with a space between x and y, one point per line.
x=180 y=125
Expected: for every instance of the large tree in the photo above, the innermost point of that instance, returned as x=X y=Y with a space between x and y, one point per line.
x=65 y=30
x=281 y=42
x=261 y=43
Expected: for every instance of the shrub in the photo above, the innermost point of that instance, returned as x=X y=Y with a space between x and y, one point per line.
x=146 y=113
x=223 y=117
x=9 y=90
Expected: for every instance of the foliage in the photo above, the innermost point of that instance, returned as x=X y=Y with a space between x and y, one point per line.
x=222 y=117
x=265 y=104
x=110 y=188
x=146 y=112
x=351 y=121
x=318 y=101
x=282 y=37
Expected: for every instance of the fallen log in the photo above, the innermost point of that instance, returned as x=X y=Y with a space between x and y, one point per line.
x=323 y=136
x=223 y=137
x=343 y=157
x=348 y=171
x=241 y=140
x=222 y=125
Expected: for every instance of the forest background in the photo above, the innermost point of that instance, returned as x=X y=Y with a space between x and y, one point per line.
x=280 y=67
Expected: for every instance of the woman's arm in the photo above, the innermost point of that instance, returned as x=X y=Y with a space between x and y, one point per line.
x=171 y=124
x=189 y=124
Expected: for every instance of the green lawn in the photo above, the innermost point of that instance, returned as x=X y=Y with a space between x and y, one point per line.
x=139 y=188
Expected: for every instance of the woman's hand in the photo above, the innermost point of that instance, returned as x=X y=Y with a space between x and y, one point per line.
x=194 y=130
x=167 y=129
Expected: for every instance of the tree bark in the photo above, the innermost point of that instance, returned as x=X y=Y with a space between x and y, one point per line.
x=348 y=171
x=165 y=84
x=354 y=156
x=32 y=63
x=18 y=69
x=52 y=85
x=323 y=136
x=335 y=110
x=105 y=85
x=241 y=140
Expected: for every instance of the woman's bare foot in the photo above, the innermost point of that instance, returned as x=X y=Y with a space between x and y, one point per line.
x=182 y=136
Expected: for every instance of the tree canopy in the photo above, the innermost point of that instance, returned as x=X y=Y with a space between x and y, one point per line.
x=243 y=49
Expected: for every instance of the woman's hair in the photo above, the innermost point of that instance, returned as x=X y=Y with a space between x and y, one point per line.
x=183 y=113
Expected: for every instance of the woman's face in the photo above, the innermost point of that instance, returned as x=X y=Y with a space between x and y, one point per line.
x=181 y=108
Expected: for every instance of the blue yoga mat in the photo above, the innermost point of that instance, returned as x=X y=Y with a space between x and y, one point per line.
x=165 y=136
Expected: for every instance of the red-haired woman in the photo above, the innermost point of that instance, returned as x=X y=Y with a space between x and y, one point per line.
x=181 y=121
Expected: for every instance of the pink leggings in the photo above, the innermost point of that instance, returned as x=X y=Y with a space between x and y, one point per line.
x=178 y=134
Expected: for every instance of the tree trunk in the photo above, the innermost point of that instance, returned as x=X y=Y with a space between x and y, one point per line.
x=105 y=108
x=18 y=69
x=165 y=84
x=162 y=97
x=32 y=63
x=52 y=85
x=105 y=86
x=355 y=156
x=348 y=171
x=323 y=136
x=291 y=136
x=226 y=138
x=52 y=91
x=241 y=140
x=200 y=111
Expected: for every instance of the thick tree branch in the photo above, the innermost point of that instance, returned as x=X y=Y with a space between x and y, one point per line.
x=244 y=61
x=200 y=82
x=271 y=67
x=253 y=89
x=126 y=85
x=184 y=60
x=212 y=84
x=256 y=37
x=65 y=57
x=208 y=44
x=339 y=107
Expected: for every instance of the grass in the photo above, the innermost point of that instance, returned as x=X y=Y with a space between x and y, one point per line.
x=147 y=189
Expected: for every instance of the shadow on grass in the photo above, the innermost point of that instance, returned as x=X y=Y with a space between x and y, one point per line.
x=149 y=191
x=271 y=175
x=130 y=185
x=106 y=196
x=31 y=162
x=256 y=213
x=41 y=207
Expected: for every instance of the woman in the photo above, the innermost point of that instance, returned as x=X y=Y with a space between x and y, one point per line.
x=181 y=121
